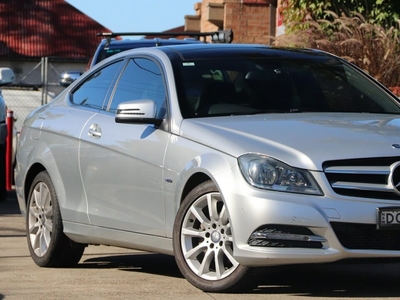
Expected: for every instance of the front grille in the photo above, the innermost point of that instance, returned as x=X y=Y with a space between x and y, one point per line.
x=366 y=236
x=362 y=178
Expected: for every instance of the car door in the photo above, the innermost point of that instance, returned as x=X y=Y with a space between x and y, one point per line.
x=84 y=101
x=122 y=164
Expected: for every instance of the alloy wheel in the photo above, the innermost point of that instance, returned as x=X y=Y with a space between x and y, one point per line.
x=40 y=219
x=206 y=238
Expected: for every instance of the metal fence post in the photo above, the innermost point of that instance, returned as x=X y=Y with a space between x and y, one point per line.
x=45 y=79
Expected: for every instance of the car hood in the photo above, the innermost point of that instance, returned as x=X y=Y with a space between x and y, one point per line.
x=303 y=140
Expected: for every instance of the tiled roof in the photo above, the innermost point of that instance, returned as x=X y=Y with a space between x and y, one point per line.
x=46 y=28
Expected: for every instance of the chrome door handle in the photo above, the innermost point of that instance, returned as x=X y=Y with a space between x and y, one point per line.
x=95 y=131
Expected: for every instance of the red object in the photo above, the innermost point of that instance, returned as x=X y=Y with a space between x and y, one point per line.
x=395 y=90
x=9 y=141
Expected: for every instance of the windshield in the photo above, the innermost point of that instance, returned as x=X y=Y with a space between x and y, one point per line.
x=251 y=86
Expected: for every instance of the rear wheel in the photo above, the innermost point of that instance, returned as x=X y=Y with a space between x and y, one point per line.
x=203 y=242
x=47 y=243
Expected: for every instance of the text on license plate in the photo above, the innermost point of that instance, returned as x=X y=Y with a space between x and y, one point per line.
x=388 y=217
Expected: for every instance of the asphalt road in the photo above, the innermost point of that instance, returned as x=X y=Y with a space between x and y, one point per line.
x=113 y=273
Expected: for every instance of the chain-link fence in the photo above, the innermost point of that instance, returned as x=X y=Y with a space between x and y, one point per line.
x=36 y=83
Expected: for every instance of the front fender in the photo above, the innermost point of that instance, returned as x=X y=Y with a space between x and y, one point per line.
x=180 y=166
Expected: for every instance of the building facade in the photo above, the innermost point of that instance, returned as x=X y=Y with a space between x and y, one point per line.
x=252 y=21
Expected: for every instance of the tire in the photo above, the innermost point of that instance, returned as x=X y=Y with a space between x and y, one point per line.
x=3 y=190
x=202 y=233
x=47 y=243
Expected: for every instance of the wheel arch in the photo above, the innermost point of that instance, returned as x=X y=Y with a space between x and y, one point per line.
x=208 y=166
x=192 y=182
x=30 y=176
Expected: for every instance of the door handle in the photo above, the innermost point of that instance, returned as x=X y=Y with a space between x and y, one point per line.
x=95 y=131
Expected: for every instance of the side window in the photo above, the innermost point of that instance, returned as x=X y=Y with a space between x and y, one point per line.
x=94 y=89
x=141 y=79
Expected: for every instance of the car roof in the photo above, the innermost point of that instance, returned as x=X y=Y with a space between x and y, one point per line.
x=201 y=50
x=187 y=52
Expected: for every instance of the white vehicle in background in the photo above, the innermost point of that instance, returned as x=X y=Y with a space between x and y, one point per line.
x=6 y=77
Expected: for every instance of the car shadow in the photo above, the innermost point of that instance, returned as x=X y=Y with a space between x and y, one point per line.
x=337 y=280
x=10 y=205
x=157 y=264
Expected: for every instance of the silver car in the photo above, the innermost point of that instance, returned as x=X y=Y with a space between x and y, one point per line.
x=229 y=157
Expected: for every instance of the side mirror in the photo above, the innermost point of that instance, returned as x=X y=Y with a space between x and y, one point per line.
x=137 y=112
x=68 y=77
x=7 y=76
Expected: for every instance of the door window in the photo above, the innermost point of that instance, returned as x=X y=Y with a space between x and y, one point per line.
x=141 y=79
x=93 y=91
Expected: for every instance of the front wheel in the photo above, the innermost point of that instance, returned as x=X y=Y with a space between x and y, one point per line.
x=203 y=242
x=47 y=243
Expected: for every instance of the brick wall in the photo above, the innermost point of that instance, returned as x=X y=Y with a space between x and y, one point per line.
x=250 y=21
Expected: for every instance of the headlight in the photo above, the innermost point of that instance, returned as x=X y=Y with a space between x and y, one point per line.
x=268 y=173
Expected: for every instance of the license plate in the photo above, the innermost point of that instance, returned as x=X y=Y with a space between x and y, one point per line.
x=388 y=217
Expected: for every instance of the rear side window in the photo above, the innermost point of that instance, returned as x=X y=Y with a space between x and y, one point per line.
x=141 y=79
x=93 y=90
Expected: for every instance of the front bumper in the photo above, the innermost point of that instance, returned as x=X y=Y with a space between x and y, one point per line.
x=304 y=228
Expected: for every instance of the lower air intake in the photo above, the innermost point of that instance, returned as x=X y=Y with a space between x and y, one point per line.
x=366 y=236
